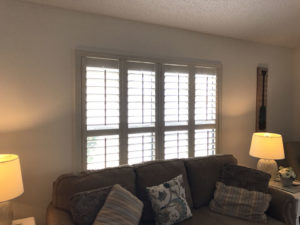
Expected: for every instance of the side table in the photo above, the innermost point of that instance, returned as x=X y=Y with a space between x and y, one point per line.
x=292 y=191
x=24 y=221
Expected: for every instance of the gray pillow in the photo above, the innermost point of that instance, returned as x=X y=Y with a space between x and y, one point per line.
x=244 y=177
x=85 y=205
x=239 y=202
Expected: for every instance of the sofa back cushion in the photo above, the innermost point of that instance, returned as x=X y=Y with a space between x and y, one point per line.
x=69 y=184
x=244 y=177
x=154 y=173
x=203 y=173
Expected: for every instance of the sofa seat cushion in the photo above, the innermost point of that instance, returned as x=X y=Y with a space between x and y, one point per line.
x=204 y=216
x=154 y=173
x=203 y=173
x=69 y=184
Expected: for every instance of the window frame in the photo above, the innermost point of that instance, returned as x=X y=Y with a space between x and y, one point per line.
x=79 y=148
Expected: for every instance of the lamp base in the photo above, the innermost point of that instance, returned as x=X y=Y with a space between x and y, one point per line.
x=6 y=213
x=268 y=166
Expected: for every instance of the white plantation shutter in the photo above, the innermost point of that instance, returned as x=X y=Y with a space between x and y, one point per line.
x=176 y=94
x=136 y=111
x=102 y=112
x=176 y=144
x=102 y=94
x=102 y=151
x=205 y=96
x=141 y=147
x=205 y=142
x=141 y=94
x=205 y=111
x=141 y=89
x=176 y=111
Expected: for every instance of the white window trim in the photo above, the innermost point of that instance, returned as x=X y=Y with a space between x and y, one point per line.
x=79 y=134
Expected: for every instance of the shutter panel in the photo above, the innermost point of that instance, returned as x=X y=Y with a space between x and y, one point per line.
x=205 y=97
x=102 y=102
x=102 y=151
x=205 y=142
x=141 y=147
x=141 y=94
x=176 y=144
x=176 y=95
x=102 y=94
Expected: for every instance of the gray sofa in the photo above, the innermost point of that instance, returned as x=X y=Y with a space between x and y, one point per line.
x=200 y=175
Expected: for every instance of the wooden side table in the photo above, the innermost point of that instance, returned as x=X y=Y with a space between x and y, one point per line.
x=24 y=221
x=292 y=191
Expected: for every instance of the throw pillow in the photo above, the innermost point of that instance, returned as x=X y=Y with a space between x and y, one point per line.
x=85 y=205
x=243 y=177
x=239 y=202
x=121 y=207
x=168 y=202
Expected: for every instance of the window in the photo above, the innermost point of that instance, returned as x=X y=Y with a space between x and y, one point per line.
x=136 y=110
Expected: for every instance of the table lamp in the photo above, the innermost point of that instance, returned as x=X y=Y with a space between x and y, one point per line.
x=11 y=185
x=267 y=147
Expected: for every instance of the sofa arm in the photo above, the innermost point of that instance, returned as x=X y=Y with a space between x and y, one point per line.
x=283 y=206
x=57 y=216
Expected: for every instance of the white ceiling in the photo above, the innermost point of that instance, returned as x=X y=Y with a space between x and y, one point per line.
x=275 y=22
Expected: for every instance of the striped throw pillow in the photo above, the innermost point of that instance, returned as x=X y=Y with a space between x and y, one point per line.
x=240 y=202
x=120 y=208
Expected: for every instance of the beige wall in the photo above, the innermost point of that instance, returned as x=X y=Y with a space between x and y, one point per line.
x=37 y=69
x=295 y=136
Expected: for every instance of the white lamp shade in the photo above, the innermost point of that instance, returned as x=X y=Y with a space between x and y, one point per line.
x=11 y=184
x=267 y=146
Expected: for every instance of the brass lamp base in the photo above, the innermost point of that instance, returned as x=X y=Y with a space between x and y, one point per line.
x=268 y=166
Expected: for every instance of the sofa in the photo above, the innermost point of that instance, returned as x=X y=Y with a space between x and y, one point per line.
x=200 y=175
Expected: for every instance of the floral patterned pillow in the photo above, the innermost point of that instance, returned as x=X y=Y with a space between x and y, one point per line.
x=168 y=202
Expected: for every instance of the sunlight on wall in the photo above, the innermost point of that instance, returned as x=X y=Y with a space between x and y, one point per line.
x=27 y=105
x=238 y=105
